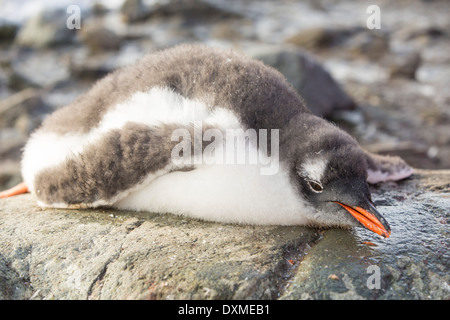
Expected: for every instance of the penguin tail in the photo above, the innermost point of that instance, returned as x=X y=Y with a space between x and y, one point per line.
x=14 y=191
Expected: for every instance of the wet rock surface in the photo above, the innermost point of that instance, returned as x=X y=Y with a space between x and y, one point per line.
x=106 y=254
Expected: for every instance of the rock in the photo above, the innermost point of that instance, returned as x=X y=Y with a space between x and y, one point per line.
x=315 y=37
x=105 y=254
x=90 y=69
x=39 y=68
x=370 y=44
x=23 y=111
x=401 y=111
x=424 y=36
x=227 y=31
x=190 y=11
x=108 y=254
x=10 y=174
x=99 y=9
x=46 y=29
x=20 y=114
x=7 y=33
x=355 y=40
x=321 y=92
x=19 y=82
x=412 y=264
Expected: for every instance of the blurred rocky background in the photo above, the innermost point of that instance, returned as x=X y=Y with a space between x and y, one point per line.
x=388 y=87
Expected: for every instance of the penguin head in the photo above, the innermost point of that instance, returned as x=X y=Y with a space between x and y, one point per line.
x=330 y=173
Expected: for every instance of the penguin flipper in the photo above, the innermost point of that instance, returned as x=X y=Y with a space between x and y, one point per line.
x=383 y=168
x=109 y=168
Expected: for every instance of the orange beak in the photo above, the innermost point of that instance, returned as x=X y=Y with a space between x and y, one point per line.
x=369 y=220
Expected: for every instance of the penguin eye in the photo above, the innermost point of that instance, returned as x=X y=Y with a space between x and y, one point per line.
x=315 y=186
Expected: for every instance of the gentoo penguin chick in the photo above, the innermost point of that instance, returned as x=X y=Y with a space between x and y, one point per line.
x=163 y=136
